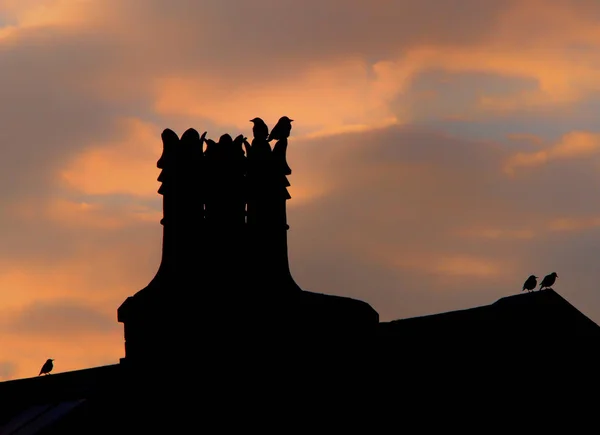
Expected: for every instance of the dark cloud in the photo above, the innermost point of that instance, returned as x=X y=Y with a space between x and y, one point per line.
x=271 y=38
x=436 y=94
x=391 y=225
x=59 y=319
x=39 y=241
x=409 y=193
x=7 y=369
x=45 y=112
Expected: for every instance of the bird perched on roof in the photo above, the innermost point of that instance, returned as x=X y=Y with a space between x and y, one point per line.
x=281 y=130
x=548 y=281
x=47 y=367
x=260 y=130
x=530 y=284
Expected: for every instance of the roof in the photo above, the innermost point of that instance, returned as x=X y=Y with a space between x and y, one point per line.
x=42 y=402
x=107 y=399
x=511 y=317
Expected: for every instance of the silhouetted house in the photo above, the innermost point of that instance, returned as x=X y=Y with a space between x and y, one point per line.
x=518 y=317
x=223 y=334
x=82 y=401
x=524 y=330
x=530 y=326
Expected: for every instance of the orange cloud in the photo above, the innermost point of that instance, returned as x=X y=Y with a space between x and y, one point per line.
x=81 y=214
x=530 y=139
x=403 y=211
x=573 y=223
x=576 y=144
x=497 y=233
x=438 y=265
x=72 y=214
x=326 y=99
x=352 y=95
x=83 y=273
x=125 y=166
x=43 y=13
x=468 y=266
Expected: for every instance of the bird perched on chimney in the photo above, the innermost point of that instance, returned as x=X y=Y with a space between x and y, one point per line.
x=281 y=130
x=530 y=284
x=260 y=130
x=548 y=281
x=47 y=367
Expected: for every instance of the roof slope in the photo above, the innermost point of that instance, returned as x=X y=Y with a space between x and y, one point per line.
x=512 y=317
x=49 y=397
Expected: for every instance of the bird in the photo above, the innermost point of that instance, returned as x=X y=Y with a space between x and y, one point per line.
x=47 y=367
x=530 y=284
x=260 y=130
x=548 y=280
x=281 y=130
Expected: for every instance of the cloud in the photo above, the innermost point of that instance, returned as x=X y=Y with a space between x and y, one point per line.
x=7 y=370
x=413 y=215
x=59 y=318
x=409 y=117
x=340 y=96
x=576 y=144
x=126 y=166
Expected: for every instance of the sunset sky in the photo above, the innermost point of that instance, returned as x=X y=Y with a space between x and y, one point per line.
x=442 y=151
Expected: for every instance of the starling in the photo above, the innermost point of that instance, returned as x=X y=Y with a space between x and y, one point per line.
x=282 y=129
x=548 y=281
x=47 y=367
x=530 y=284
x=260 y=130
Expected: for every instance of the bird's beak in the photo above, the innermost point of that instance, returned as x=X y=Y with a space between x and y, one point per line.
x=291 y=120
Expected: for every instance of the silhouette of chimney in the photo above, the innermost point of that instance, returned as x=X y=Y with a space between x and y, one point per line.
x=224 y=272
x=143 y=314
x=267 y=220
x=212 y=260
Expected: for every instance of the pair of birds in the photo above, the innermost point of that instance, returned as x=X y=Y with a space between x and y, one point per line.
x=47 y=367
x=547 y=282
x=282 y=129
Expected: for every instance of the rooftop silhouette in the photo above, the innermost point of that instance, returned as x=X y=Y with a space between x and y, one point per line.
x=508 y=317
x=224 y=320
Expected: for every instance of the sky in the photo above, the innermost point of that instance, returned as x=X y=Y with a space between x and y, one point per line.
x=442 y=151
